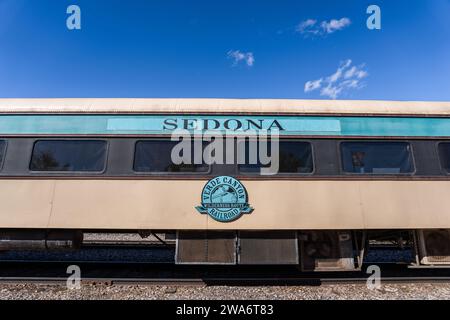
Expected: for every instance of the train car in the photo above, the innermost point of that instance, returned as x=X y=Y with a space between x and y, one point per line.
x=348 y=172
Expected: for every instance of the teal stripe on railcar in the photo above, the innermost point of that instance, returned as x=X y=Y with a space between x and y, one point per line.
x=165 y=124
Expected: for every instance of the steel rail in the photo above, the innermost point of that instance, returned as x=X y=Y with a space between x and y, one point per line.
x=221 y=281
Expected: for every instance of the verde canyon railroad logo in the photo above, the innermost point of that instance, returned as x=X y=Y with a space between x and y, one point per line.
x=224 y=199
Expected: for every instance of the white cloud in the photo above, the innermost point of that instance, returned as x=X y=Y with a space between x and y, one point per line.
x=350 y=73
x=331 y=91
x=313 y=85
x=335 y=25
x=338 y=74
x=346 y=77
x=355 y=72
x=361 y=74
x=311 y=27
x=239 y=56
x=307 y=26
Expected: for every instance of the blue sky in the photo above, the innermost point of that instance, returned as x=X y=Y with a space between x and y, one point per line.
x=226 y=49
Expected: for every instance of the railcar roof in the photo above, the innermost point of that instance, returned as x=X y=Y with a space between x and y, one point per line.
x=212 y=106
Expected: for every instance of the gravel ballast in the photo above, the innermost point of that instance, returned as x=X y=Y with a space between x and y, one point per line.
x=126 y=292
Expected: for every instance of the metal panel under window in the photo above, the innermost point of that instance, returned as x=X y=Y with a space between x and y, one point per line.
x=206 y=247
x=69 y=155
x=377 y=157
x=268 y=247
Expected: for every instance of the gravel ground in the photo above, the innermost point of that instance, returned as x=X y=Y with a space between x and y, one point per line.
x=347 y=291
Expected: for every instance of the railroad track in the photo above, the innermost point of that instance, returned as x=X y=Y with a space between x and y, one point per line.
x=220 y=281
x=181 y=275
x=51 y=268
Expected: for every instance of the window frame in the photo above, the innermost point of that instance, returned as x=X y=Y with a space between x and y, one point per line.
x=2 y=159
x=68 y=173
x=281 y=174
x=443 y=170
x=165 y=173
x=341 y=158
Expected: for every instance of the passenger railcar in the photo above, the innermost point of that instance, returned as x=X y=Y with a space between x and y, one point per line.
x=349 y=171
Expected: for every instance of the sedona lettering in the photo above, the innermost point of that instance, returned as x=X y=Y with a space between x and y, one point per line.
x=228 y=124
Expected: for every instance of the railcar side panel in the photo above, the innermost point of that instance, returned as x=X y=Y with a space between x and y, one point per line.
x=158 y=204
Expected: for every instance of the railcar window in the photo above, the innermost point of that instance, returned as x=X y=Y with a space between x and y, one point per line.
x=294 y=157
x=376 y=157
x=68 y=155
x=444 y=155
x=154 y=156
x=2 y=152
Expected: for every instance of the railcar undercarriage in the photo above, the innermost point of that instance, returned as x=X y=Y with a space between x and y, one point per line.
x=311 y=250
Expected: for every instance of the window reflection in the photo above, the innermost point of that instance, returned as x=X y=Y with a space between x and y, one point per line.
x=444 y=155
x=155 y=156
x=376 y=157
x=68 y=155
x=2 y=151
x=294 y=157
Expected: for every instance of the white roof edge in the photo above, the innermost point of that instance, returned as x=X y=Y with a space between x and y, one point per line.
x=203 y=105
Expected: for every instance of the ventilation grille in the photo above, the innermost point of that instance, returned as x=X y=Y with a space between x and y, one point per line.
x=434 y=246
x=326 y=251
x=206 y=247
x=268 y=247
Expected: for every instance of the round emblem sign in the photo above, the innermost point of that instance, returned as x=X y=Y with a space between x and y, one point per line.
x=224 y=199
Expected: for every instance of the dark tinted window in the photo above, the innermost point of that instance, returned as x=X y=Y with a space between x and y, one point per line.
x=376 y=157
x=2 y=152
x=444 y=155
x=155 y=156
x=294 y=157
x=68 y=155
